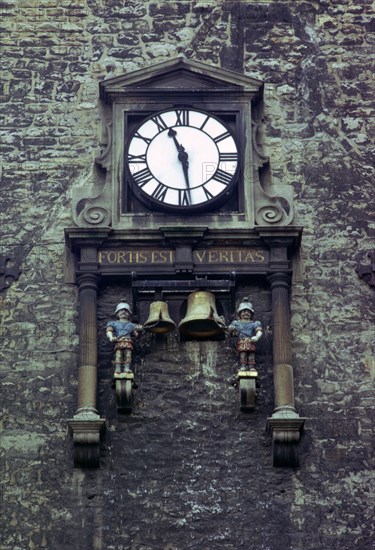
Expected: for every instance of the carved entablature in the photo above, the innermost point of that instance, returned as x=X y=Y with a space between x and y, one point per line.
x=109 y=199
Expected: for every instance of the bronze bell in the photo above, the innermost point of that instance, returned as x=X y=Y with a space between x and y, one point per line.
x=158 y=320
x=201 y=320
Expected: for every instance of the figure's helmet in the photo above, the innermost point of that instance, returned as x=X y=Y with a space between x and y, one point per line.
x=123 y=305
x=245 y=304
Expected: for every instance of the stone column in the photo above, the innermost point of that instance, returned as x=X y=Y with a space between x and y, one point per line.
x=86 y=424
x=285 y=424
x=87 y=374
x=282 y=349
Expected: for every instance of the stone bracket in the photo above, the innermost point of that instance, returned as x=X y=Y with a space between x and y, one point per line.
x=286 y=428
x=86 y=430
x=124 y=383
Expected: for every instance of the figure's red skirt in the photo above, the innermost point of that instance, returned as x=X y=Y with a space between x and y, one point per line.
x=245 y=344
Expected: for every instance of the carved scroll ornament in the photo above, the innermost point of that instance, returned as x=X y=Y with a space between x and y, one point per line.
x=92 y=200
x=273 y=203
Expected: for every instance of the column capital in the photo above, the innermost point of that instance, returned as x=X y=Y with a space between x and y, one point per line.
x=88 y=281
x=279 y=279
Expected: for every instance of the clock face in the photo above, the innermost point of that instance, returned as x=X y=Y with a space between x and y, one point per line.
x=182 y=159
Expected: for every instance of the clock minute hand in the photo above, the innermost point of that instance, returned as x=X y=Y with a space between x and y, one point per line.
x=182 y=155
x=183 y=158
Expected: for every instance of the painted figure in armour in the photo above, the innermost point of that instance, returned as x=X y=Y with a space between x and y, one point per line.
x=248 y=332
x=122 y=333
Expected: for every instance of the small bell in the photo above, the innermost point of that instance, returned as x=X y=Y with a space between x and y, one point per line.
x=202 y=320
x=158 y=320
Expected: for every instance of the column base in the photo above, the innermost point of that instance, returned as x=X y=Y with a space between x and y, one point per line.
x=86 y=428
x=285 y=426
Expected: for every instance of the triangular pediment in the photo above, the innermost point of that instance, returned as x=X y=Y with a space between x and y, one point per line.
x=180 y=74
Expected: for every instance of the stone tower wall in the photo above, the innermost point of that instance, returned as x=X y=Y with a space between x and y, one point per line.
x=188 y=470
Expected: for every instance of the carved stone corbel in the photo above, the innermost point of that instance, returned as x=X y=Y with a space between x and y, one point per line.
x=91 y=203
x=285 y=425
x=86 y=425
x=274 y=203
x=104 y=158
x=92 y=200
x=86 y=429
x=124 y=384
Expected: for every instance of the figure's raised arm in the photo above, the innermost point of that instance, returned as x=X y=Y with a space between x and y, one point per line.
x=110 y=334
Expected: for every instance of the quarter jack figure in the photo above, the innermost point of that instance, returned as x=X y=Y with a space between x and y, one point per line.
x=248 y=333
x=122 y=333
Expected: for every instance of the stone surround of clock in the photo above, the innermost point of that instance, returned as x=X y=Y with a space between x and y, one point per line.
x=182 y=200
x=214 y=114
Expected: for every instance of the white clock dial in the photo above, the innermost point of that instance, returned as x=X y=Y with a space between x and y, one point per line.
x=182 y=158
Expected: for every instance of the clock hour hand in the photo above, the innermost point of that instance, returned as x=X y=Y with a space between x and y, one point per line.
x=182 y=155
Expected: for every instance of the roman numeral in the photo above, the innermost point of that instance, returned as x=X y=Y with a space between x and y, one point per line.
x=160 y=192
x=209 y=195
x=227 y=157
x=204 y=122
x=142 y=177
x=184 y=197
x=223 y=177
x=182 y=117
x=145 y=139
x=219 y=138
x=157 y=119
x=137 y=158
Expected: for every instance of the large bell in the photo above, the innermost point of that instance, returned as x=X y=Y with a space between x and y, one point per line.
x=201 y=320
x=158 y=320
